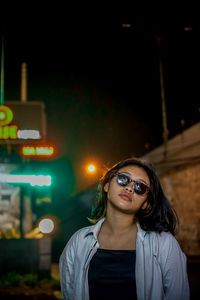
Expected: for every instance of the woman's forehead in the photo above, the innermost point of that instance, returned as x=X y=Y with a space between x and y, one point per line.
x=135 y=171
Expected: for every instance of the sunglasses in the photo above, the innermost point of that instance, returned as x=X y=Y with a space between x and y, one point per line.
x=139 y=187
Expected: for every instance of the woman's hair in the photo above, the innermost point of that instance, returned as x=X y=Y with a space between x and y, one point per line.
x=158 y=216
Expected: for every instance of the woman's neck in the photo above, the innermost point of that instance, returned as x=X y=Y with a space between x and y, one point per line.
x=119 y=222
x=118 y=232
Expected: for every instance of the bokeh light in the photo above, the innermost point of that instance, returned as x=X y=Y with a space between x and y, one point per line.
x=91 y=168
x=46 y=225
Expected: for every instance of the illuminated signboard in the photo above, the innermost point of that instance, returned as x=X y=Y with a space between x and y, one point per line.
x=7 y=131
x=37 y=150
x=6 y=115
x=28 y=134
x=39 y=180
x=21 y=122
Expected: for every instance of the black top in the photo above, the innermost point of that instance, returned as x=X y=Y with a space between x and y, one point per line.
x=111 y=275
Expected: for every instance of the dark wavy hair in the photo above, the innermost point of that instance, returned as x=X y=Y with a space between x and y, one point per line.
x=158 y=216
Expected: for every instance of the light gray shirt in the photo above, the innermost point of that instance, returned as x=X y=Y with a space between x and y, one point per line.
x=160 y=268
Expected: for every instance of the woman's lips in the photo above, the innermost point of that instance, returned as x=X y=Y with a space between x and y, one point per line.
x=126 y=197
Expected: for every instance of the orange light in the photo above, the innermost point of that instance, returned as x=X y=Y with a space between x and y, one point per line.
x=37 y=150
x=91 y=168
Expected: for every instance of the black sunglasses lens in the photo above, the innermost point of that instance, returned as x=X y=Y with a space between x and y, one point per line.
x=122 y=179
x=140 y=188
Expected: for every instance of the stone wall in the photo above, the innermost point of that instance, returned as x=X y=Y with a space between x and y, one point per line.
x=182 y=186
x=178 y=167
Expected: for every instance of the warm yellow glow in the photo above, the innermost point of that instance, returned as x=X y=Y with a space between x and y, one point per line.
x=34 y=234
x=91 y=168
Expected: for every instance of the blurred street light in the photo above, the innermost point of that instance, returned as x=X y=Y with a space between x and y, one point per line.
x=91 y=168
x=46 y=225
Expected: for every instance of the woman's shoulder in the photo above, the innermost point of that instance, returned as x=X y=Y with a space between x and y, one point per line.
x=164 y=242
x=82 y=232
x=163 y=236
x=77 y=238
x=85 y=233
x=154 y=235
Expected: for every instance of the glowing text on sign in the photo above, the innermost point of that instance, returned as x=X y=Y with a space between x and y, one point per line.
x=39 y=180
x=37 y=151
x=8 y=132
x=6 y=117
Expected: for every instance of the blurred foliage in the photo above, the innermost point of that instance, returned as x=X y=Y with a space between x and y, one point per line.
x=14 y=279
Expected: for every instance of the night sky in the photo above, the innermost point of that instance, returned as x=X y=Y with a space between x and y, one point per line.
x=100 y=83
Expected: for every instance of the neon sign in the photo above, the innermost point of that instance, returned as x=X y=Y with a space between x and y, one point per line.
x=8 y=132
x=6 y=115
x=11 y=131
x=37 y=150
x=39 y=180
x=28 y=134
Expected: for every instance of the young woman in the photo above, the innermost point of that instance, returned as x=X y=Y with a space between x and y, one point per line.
x=130 y=252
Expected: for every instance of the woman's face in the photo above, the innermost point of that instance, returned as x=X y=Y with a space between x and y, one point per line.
x=124 y=198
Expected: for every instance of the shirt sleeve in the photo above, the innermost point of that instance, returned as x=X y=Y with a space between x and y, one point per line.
x=66 y=267
x=174 y=269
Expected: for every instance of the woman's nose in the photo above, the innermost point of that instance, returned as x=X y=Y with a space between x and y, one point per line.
x=129 y=187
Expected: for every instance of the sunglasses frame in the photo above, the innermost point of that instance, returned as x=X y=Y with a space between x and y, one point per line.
x=134 y=182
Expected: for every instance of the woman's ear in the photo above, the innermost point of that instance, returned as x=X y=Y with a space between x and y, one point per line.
x=144 y=205
x=106 y=186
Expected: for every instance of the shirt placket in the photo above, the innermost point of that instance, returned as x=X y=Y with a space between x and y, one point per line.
x=92 y=251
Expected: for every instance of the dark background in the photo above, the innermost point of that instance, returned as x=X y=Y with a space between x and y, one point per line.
x=100 y=82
